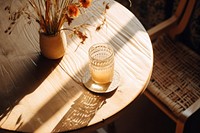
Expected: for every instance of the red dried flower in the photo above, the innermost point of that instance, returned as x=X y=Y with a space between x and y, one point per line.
x=85 y=3
x=73 y=10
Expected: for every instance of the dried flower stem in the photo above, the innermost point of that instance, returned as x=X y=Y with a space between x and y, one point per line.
x=51 y=15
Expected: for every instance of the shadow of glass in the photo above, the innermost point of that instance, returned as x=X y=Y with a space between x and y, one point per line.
x=82 y=111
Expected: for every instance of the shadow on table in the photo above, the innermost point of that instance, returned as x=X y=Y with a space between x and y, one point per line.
x=82 y=111
x=33 y=77
x=43 y=69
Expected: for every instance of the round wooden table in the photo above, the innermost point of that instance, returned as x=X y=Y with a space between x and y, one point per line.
x=42 y=95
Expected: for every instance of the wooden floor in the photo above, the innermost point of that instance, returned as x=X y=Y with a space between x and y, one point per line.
x=142 y=117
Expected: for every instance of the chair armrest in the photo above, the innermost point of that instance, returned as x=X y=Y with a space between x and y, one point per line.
x=177 y=20
x=163 y=27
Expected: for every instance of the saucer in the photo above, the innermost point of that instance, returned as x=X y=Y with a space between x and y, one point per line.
x=101 y=88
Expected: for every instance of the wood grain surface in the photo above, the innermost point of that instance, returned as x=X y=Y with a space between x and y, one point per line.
x=36 y=93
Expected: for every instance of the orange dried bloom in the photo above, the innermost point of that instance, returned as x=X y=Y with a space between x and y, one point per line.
x=85 y=3
x=73 y=10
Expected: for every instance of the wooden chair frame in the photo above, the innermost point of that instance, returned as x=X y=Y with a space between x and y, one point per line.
x=174 y=26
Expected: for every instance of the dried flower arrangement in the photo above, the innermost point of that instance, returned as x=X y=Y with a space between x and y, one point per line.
x=52 y=14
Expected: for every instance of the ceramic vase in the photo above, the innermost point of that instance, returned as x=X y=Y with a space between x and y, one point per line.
x=53 y=46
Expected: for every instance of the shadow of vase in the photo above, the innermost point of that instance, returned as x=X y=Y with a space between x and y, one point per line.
x=20 y=78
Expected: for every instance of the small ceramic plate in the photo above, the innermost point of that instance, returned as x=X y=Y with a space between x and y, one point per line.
x=101 y=88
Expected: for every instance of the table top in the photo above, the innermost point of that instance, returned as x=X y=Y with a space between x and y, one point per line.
x=42 y=95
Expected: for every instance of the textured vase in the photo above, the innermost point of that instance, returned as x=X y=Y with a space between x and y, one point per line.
x=53 y=46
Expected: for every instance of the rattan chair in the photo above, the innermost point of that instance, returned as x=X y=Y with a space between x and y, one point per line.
x=175 y=83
